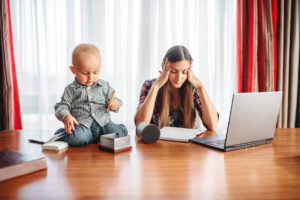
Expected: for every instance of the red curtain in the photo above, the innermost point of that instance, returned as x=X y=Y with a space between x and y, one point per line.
x=256 y=45
x=11 y=115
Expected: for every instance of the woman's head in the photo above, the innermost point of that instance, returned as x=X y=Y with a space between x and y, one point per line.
x=180 y=62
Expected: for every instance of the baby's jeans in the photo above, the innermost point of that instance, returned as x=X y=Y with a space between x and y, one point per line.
x=82 y=136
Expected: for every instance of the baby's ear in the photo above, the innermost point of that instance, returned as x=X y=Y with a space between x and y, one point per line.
x=72 y=69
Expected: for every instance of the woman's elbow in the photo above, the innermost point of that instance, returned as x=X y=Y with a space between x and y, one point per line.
x=212 y=126
x=139 y=118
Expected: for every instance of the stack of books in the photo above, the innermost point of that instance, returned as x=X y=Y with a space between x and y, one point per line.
x=115 y=144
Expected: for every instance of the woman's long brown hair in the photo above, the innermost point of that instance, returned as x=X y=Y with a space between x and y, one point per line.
x=175 y=54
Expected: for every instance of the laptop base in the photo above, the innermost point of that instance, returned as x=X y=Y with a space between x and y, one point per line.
x=218 y=143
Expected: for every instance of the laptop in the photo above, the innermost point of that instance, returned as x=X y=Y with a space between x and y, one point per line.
x=252 y=122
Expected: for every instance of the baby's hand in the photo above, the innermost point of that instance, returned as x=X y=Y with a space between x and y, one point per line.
x=113 y=105
x=69 y=121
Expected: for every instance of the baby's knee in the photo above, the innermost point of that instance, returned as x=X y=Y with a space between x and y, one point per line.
x=78 y=137
x=77 y=141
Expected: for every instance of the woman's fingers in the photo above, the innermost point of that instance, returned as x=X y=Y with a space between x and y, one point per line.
x=189 y=72
x=193 y=79
x=166 y=65
x=164 y=75
x=166 y=69
x=190 y=76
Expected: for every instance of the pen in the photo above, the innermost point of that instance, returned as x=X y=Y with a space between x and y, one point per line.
x=111 y=98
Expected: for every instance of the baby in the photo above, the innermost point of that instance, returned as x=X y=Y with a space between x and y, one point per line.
x=85 y=103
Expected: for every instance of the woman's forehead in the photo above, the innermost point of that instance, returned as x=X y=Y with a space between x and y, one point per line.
x=180 y=65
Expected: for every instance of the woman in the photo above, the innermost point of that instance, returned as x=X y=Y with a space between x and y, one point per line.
x=174 y=98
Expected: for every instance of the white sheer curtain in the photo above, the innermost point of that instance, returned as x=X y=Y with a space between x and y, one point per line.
x=133 y=37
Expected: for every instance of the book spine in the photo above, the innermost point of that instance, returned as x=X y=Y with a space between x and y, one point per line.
x=22 y=169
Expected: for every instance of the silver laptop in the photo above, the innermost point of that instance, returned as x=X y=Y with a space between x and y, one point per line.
x=252 y=121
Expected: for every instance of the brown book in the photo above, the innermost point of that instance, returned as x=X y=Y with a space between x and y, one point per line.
x=14 y=164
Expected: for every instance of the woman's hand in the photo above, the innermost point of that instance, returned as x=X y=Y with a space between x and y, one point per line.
x=164 y=75
x=193 y=79
x=113 y=105
x=69 y=121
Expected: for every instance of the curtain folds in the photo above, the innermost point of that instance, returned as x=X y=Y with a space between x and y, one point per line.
x=10 y=106
x=268 y=47
x=256 y=45
x=288 y=62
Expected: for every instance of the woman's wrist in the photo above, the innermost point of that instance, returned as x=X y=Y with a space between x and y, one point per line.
x=199 y=86
x=156 y=86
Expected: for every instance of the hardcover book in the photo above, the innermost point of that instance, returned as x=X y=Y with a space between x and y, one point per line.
x=14 y=164
x=113 y=143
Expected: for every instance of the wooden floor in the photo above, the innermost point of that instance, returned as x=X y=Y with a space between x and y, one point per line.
x=163 y=170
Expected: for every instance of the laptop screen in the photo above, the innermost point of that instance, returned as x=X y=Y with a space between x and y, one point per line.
x=253 y=117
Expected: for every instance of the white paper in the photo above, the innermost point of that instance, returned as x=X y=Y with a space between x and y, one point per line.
x=56 y=145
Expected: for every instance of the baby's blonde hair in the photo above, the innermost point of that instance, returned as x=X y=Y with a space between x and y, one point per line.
x=81 y=51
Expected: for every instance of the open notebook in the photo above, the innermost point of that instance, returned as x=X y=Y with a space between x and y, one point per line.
x=179 y=134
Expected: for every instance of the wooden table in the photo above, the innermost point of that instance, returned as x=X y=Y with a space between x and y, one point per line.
x=163 y=170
